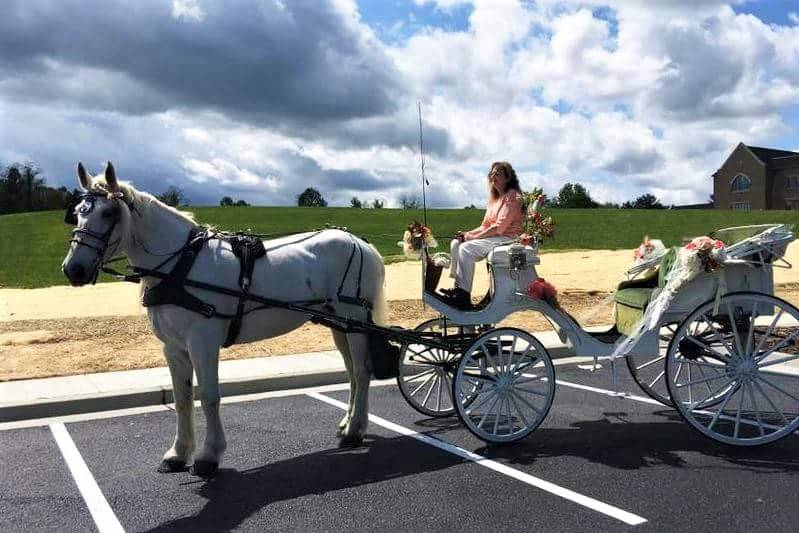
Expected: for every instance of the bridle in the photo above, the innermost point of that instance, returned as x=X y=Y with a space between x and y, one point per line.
x=84 y=204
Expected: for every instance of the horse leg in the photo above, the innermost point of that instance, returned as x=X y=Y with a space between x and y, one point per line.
x=178 y=456
x=340 y=339
x=359 y=394
x=205 y=357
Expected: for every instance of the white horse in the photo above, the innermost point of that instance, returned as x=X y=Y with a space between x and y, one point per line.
x=114 y=217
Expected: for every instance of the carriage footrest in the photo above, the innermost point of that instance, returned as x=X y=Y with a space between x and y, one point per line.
x=384 y=355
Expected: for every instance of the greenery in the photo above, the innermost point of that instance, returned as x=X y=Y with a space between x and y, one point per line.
x=356 y=202
x=227 y=201
x=574 y=195
x=377 y=204
x=310 y=197
x=23 y=189
x=409 y=201
x=34 y=244
x=645 y=201
x=173 y=196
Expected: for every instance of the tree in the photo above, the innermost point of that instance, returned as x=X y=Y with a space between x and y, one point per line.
x=356 y=203
x=173 y=196
x=470 y=206
x=23 y=189
x=575 y=196
x=310 y=197
x=647 y=201
x=241 y=203
x=377 y=204
x=226 y=201
x=408 y=201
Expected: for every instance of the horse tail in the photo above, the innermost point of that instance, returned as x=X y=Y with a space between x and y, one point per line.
x=380 y=305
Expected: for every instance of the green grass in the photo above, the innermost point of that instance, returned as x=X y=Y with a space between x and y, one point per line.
x=34 y=244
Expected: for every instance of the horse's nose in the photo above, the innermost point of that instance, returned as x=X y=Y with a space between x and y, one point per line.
x=75 y=272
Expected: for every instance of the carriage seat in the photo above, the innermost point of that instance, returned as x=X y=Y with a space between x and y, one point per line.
x=633 y=296
x=500 y=255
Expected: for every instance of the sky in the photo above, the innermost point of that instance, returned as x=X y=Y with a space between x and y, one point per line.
x=259 y=99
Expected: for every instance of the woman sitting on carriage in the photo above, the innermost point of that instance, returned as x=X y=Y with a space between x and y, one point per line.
x=503 y=221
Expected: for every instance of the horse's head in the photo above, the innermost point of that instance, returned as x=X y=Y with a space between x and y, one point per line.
x=102 y=219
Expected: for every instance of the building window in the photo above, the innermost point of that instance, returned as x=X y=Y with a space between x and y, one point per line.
x=741 y=183
x=793 y=182
x=741 y=206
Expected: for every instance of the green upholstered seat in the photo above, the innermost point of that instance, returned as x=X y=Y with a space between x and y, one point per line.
x=633 y=296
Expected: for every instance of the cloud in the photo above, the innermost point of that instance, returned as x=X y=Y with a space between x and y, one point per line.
x=263 y=98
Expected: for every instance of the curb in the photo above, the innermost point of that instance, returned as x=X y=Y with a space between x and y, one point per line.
x=162 y=395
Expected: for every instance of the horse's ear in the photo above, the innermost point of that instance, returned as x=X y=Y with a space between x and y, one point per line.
x=83 y=178
x=111 y=178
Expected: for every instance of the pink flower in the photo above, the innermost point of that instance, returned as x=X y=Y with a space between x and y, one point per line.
x=526 y=239
x=542 y=290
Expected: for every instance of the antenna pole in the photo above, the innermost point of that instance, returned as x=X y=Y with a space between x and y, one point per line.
x=421 y=157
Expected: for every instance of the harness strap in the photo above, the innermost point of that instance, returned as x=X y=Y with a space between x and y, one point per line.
x=247 y=248
x=171 y=290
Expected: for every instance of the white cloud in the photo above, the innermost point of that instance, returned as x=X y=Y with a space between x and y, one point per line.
x=187 y=9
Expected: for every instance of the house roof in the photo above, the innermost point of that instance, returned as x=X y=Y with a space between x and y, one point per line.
x=768 y=154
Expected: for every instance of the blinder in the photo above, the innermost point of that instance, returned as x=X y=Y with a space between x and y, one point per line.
x=83 y=205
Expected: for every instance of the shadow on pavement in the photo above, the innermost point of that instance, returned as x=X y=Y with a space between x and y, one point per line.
x=632 y=445
x=233 y=495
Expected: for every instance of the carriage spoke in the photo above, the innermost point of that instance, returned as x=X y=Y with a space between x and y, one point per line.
x=764 y=395
x=438 y=393
x=519 y=410
x=421 y=374
x=515 y=368
x=704 y=346
x=721 y=340
x=778 y=361
x=738 y=415
x=704 y=376
x=531 y=391
x=721 y=410
x=483 y=399
x=776 y=347
x=769 y=331
x=772 y=385
x=694 y=405
x=737 y=337
x=525 y=402
x=660 y=375
x=531 y=378
x=482 y=419
x=425 y=382
x=756 y=409
x=430 y=390
x=490 y=359
x=698 y=381
x=750 y=335
x=648 y=363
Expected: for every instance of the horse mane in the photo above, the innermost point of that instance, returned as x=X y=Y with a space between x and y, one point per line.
x=144 y=202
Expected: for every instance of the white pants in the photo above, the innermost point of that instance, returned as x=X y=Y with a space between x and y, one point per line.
x=465 y=254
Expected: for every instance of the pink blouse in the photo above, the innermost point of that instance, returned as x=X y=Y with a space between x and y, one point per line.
x=504 y=218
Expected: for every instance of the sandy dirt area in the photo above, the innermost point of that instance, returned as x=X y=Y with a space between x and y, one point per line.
x=64 y=330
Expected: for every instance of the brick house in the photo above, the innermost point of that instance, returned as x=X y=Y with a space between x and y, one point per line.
x=757 y=178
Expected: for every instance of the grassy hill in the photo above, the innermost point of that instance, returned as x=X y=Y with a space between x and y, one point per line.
x=34 y=244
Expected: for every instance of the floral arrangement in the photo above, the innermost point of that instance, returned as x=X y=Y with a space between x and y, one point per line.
x=416 y=236
x=710 y=253
x=648 y=249
x=541 y=289
x=537 y=227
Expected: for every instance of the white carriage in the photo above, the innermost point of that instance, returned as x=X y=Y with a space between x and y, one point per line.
x=725 y=353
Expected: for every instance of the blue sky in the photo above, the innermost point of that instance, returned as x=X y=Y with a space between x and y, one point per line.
x=258 y=99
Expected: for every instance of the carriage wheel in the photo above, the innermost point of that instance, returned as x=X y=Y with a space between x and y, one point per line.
x=425 y=373
x=504 y=385
x=734 y=374
x=649 y=372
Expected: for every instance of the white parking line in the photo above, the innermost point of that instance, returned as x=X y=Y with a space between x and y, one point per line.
x=104 y=517
x=622 y=395
x=585 y=501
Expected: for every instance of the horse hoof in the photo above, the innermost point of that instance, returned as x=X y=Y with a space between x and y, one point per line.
x=204 y=469
x=350 y=441
x=169 y=466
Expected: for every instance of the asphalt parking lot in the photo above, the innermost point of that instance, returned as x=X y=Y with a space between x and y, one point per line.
x=598 y=463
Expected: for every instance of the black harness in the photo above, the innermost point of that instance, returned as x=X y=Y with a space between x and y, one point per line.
x=84 y=204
